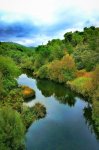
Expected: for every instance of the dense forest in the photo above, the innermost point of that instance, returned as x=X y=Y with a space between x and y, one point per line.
x=73 y=61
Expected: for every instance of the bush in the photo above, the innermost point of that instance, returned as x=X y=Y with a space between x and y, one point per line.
x=95 y=78
x=62 y=70
x=11 y=129
x=29 y=115
x=27 y=92
x=81 y=85
x=15 y=99
x=43 y=72
x=83 y=73
x=8 y=72
x=8 y=68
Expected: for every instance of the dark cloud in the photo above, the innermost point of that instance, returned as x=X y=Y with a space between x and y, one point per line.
x=17 y=29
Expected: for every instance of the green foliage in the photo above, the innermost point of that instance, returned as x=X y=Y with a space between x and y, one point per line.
x=95 y=78
x=56 y=48
x=8 y=68
x=39 y=61
x=14 y=99
x=1 y=85
x=39 y=110
x=68 y=37
x=17 y=52
x=86 y=58
x=73 y=38
x=42 y=72
x=84 y=47
x=59 y=70
x=68 y=67
x=27 y=62
x=29 y=115
x=69 y=48
x=81 y=85
x=8 y=72
x=11 y=129
x=47 y=53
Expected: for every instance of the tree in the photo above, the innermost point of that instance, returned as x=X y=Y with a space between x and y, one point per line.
x=43 y=72
x=68 y=37
x=11 y=129
x=68 y=67
x=1 y=85
x=95 y=78
x=15 y=99
x=8 y=67
x=9 y=71
x=62 y=70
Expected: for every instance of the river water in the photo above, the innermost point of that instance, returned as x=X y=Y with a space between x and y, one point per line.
x=68 y=124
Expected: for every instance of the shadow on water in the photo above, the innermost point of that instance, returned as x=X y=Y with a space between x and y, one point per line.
x=87 y=112
x=29 y=99
x=59 y=91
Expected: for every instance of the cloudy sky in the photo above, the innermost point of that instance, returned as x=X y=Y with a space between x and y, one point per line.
x=33 y=22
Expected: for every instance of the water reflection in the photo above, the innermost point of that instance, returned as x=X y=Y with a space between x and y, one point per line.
x=59 y=91
x=89 y=121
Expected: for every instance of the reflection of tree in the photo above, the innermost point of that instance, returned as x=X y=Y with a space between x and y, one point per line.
x=29 y=99
x=62 y=94
x=46 y=87
x=28 y=72
x=67 y=99
x=89 y=121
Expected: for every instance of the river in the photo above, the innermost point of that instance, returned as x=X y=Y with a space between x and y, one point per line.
x=68 y=124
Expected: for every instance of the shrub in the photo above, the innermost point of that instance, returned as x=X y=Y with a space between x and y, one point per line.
x=83 y=73
x=43 y=72
x=15 y=99
x=82 y=85
x=27 y=92
x=29 y=115
x=11 y=129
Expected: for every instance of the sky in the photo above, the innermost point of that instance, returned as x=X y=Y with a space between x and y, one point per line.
x=35 y=22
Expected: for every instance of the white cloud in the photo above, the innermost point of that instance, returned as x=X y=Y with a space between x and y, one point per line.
x=46 y=11
x=39 y=11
